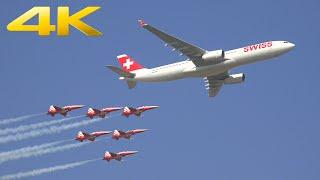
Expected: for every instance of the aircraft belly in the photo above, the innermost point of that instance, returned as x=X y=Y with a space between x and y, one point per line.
x=211 y=70
x=161 y=76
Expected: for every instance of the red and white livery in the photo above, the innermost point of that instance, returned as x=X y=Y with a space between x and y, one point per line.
x=53 y=110
x=81 y=136
x=128 y=63
x=117 y=156
x=127 y=111
x=213 y=66
x=101 y=113
x=117 y=134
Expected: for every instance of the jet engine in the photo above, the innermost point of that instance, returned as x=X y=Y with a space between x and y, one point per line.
x=234 y=78
x=213 y=56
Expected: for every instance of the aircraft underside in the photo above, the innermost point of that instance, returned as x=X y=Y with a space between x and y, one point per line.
x=212 y=66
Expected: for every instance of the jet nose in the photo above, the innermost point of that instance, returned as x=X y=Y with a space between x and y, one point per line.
x=291 y=45
x=288 y=45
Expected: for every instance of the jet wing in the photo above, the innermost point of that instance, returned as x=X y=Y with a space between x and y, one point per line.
x=57 y=108
x=86 y=134
x=113 y=154
x=214 y=83
x=96 y=110
x=91 y=138
x=191 y=51
x=129 y=132
x=121 y=132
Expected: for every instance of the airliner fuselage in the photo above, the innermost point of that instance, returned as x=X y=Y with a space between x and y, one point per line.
x=233 y=58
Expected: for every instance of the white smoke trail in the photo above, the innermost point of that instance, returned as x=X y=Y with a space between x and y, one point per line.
x=45 y=131
x=37 y=172
x=34 y=126
x=41 y=151
x=17 y=119
x=4 y=155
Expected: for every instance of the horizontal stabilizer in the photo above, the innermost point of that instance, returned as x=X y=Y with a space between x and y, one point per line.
x=121 y=72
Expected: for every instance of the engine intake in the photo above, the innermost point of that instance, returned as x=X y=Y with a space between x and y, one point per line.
x=213 y=55
x=234 y=78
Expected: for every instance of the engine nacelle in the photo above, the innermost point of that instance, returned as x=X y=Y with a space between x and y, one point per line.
x=234 y=78
x=213 y=55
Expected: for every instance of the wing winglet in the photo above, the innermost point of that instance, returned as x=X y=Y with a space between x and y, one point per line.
x=187 y=49
x=142 y=23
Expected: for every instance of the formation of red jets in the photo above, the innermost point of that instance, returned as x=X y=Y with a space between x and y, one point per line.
x=92 y=112
x=117 y=134
x=102 y=113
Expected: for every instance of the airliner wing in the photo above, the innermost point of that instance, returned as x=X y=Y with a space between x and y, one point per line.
x=187 y=49
x=212 y=86
x=214 y=83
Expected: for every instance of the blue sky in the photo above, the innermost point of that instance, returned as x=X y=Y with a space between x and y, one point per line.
x=266 y=128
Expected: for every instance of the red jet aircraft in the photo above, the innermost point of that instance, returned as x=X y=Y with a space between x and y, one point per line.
x=101 y=113
x=117 y=134
x=127 y=111
x=117 y=156
x=53 y=110
x=81 y=136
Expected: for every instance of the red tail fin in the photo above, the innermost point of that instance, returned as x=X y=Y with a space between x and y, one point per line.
x=128 y=64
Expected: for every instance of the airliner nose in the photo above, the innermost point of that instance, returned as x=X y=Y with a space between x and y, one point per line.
x=291 y=45
x=288 y=45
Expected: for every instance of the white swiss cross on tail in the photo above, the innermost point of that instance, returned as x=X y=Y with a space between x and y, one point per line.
x=128 y=64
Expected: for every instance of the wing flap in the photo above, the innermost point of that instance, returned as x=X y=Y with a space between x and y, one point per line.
x=213 y=84
x=213 y=87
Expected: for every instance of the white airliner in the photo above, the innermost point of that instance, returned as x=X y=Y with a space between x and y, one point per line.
x=212 y=66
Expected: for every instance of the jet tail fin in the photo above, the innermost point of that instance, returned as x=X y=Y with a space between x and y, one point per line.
x=121 y=72
x=128 y=63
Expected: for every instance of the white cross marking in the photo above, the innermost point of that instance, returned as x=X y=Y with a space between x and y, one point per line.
x=127 y=64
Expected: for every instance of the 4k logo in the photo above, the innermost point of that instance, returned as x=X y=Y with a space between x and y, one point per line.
x=64 y=20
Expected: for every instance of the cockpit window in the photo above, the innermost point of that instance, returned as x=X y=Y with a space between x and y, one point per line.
x=285 y=42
